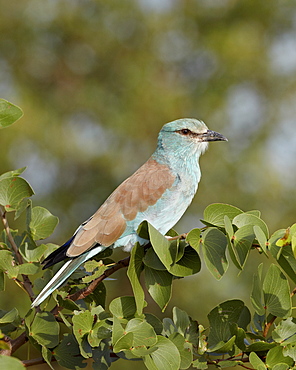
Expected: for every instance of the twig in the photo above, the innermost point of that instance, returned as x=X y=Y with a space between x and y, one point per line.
x=18 y=342
x=26 y=281
x=82 y=293
x=6 y=351
x=10 y=237
x=181 y=236
x=35 y=361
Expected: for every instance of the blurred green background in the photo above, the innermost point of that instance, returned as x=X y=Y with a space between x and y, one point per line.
x=98 y=79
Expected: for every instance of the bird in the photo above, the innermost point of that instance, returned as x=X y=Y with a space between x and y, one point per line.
x=159 y=192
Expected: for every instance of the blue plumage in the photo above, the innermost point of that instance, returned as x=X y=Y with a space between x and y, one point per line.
x=160 y=192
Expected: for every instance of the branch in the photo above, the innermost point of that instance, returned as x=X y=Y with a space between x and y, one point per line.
x=35 y=361
x=18 y=342
x=10 y=237
x=82 y=293
x=26 y=281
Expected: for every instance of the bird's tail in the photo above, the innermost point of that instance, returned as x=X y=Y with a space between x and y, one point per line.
x=64 y=272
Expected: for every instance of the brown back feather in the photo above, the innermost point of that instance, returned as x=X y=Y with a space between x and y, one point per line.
x=134 y=195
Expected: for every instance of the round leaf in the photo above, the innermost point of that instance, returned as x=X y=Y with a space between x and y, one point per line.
x=214 y=213
x=166 y=356
x=188 y=265
x=42 y=223
x=7 y=362
x=12 y=191
x=9 y=113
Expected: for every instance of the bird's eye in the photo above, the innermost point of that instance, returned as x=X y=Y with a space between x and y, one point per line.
x=185 y=131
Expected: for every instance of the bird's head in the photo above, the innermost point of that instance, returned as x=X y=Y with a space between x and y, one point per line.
x=187 y=136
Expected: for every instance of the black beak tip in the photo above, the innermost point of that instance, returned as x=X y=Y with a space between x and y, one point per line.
x=214 y=136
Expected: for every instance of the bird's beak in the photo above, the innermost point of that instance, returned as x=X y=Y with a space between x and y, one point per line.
x=213 y=136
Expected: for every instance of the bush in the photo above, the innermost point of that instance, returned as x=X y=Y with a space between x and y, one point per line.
x=80 y=326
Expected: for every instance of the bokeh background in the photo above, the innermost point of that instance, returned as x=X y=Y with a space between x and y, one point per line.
x=98 y=79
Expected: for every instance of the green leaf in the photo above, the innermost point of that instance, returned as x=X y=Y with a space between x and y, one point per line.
x=284 y=255
x=290 y=350
x=200 y=363
x=101 y=330
x=154 y=322
x=223 y=347
x=101 y=356
x=7 y=264
x=232 y=252
x=98 y=295
x=293 y=239
x=47 y=356
x=193 y=334
x=99 y=268
x=165 y=357
x=117 y=330
x=285 y=332
x=243 y=240
x=188 y=265
x=183 y=348
x=134 y=271
x=215 y=213
x=9 y=317
x=2 y=281
x=123 y=307
x=8 y=362
x=261 y=237
x=254 y=212
x=193 y=239
x=159 y=286
x=245 y=219
x=257 y=292
x=275 y=356
x=67 y=353
x=82 y=323
x=222 y=318
x=168 y=327
x=13 y=173
x=9 y=113
x=281 y=366
x=12 y=191
x=152 y=260
x=45 y=330
x=276 y=291
x=29 y=268
x=228 y=227
x=260 y=346
x=42 y=223
x=214 y=245
x=256 y=362
x=165 y=250
x=143 y=333
x=32 y=252
x=181 y=320
x=124 y=343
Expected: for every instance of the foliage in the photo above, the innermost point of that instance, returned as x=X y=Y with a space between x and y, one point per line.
x=80 y=325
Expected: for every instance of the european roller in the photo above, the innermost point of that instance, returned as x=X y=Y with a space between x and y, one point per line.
x=159 y=192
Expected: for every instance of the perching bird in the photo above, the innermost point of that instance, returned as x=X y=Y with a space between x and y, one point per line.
x=160 y=192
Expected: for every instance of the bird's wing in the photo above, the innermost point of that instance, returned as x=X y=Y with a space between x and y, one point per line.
x=134 y=195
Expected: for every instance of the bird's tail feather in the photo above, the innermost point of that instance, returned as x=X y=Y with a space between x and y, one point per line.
x=64 y=272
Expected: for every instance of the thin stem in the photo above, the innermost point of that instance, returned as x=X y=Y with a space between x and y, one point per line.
x=18 y=342
x=82 y=293
x=35 y=361
x=26 y=281
x=10 y=237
